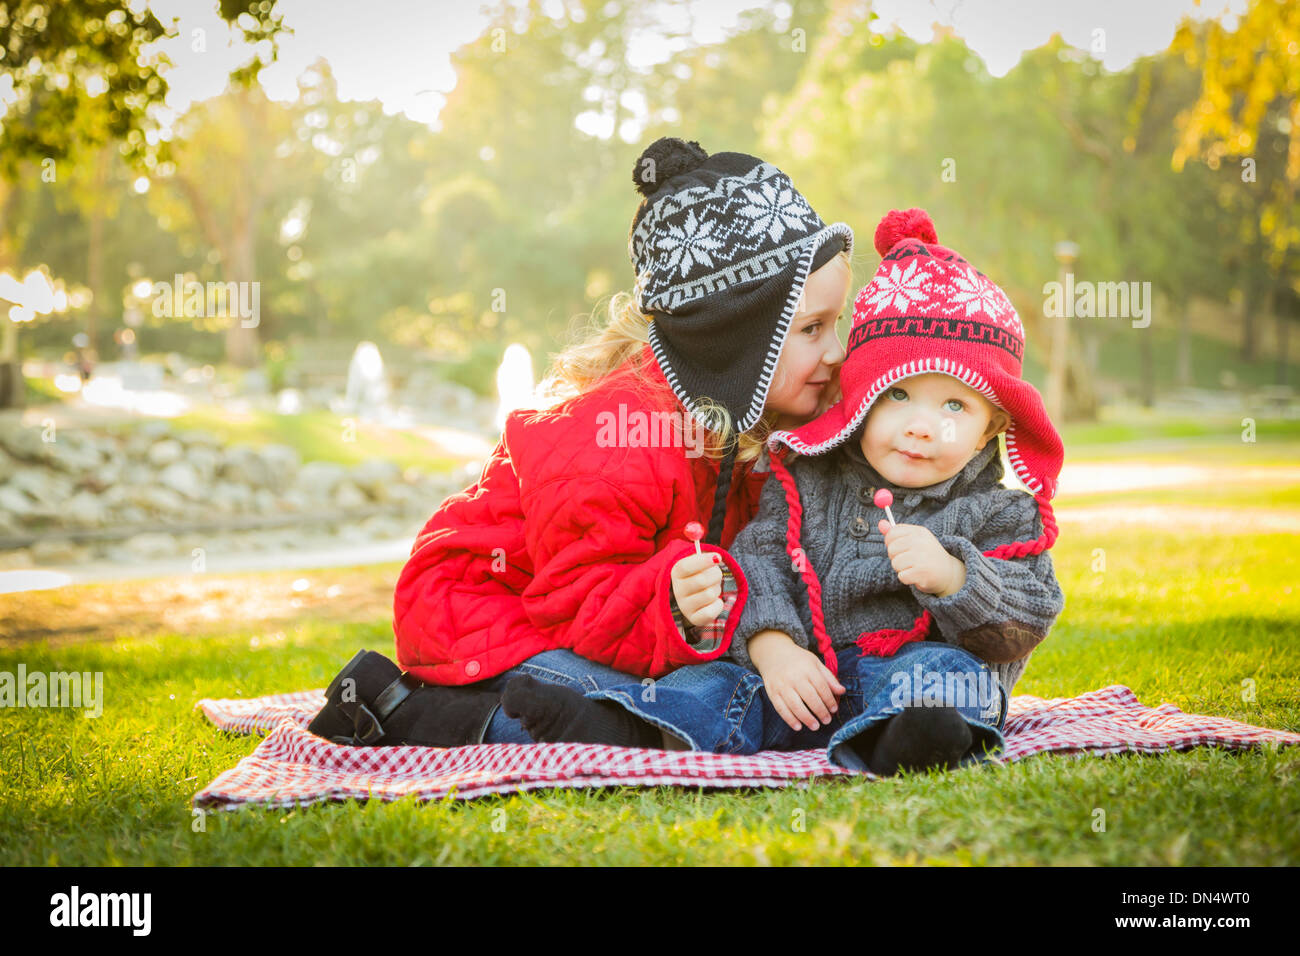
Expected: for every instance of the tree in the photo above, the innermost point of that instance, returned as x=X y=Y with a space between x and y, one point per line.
x=80 y=77
x=1248 y=111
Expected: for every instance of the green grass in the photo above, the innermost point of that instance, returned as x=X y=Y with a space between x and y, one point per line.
x=1204 y=621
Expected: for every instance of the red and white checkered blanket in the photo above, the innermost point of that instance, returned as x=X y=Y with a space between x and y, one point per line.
x=293 y=768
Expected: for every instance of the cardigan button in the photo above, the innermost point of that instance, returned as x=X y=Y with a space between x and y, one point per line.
x=867 y=495
x=859 y=527
x=472 y=668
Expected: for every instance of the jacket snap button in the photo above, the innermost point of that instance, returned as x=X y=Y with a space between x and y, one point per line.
x=859 y=528
x=472 y=668
x=866 y=495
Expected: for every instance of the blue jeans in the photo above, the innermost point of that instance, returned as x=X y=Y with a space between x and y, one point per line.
x=720 y=707
x=709 y=707
x=926 y=673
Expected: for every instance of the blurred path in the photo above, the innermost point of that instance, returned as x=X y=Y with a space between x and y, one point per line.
x=1099 y=477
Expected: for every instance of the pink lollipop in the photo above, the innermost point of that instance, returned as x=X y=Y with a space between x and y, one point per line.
x=884 y=498
x=695 y=531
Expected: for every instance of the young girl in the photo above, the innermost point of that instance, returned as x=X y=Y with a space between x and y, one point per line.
x=567 y=560
x=899 y=649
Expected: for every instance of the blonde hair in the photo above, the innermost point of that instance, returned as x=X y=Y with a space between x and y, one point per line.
x=598 y=352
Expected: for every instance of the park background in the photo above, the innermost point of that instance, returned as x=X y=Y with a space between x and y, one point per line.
x=413 y=188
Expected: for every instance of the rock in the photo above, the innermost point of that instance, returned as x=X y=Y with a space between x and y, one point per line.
x=245 y=464
x=230 y=497
x=182 y=478
x=102 y=479
x=295 y=500
x=59 y=552
x=84 y=510
x=282 y=462
x=348 y=496
x=22 y=442
x=265 y=502
x=205 y=461
x=157 y=500
x=7 y=465
x=71 y=453
x=194 y=438
x=318 y=479
x=136 y=473
x=16 y=560
x=42 y=486
x=13 y=501
x=376 y=477
x=163 y=453
x=151 y=545
x=154 y=429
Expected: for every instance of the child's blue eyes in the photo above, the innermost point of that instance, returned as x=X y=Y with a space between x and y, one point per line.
x=896 y=391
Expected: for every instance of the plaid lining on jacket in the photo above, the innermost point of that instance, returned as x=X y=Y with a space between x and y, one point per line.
x=707 y=637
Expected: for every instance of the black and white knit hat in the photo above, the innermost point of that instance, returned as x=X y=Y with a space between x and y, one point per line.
x=722 y=246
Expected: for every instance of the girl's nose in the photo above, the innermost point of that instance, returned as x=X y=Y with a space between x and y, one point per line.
x=834 y=352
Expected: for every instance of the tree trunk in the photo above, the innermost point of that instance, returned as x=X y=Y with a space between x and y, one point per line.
x=1249 y=303
x=1283 y=321
x=95 y=252
x=1147 y=386
x=1184 y=354
x=13 y=391
x=243 y=345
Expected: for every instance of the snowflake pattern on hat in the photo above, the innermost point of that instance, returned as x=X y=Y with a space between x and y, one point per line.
x=740 y=219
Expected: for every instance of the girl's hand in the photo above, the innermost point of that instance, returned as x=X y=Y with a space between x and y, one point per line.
x=798 y=683
x=697 y=586
x=921 y=560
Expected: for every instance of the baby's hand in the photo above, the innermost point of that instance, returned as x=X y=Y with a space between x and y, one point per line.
x=801 y=688
x=697 y=585
x=921 y=560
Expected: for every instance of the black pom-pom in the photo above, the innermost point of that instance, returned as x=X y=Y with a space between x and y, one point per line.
x=663 y=159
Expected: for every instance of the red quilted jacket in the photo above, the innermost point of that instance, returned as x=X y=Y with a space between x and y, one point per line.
x=566 y=541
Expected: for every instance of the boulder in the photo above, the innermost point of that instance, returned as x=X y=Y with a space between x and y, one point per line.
x=282 y=463
x=348 y=496
x=85 y=510
x=165 y=452
x=318 y=479
x=45 y=552
x=183 y=478
x=152 y=545
x=244 y=463
x=376 y=477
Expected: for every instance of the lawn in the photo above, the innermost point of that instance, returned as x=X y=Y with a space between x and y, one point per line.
x=1206 y=621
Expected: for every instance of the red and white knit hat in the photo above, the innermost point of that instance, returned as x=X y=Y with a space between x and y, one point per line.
x=928 y=310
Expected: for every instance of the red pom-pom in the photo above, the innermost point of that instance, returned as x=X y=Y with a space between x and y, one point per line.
x=904 y=224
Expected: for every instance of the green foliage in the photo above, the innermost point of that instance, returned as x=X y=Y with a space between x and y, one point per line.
x=509 y=221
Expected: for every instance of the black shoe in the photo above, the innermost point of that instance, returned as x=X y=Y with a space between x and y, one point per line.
x=372 y=703
x=918 y=738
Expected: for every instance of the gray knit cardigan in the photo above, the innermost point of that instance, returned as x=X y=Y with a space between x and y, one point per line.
x=1005 y=608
